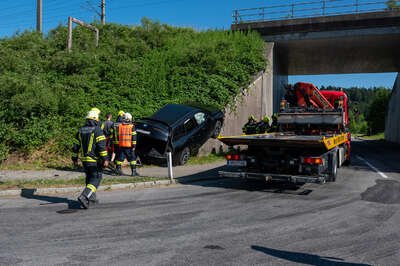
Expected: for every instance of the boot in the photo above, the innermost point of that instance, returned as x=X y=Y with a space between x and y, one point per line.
x=93 y=199
x=134 y=172
x=118 y=170
x=83 y=198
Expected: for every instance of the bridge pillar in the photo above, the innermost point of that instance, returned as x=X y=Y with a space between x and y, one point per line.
x=392 y=128
x=280 y=78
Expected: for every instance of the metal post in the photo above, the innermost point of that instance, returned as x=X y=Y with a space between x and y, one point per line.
x=292 y=10
x=323 y=7
x=357 y=6
x=69 y=40
x=169 y=161
x=39 y=13
x=103 y=12
x=83 y=24
x=236 y=15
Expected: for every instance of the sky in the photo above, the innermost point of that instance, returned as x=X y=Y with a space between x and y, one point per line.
x=20 y=15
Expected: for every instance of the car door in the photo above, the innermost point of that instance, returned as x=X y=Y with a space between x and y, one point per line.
x=204 y=126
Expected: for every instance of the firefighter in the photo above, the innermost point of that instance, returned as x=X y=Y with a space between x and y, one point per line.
x=126 y=145
x=251 y=126
x=263 y=125
x=291 y=96
x=274 y=125
x=114 y=134
x=92 y=149
x=106 y=126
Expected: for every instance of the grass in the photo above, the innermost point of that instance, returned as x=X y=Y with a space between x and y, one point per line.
x=379 y=136
x=211 y=158
x=80 y=181
x=64 y=165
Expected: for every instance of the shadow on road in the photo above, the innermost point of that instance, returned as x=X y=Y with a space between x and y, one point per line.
x=210 y=178
x=384 y=155
x=305 y=258
x=30 y=194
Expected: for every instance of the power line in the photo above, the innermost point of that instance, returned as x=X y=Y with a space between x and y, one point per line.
x=157 y=3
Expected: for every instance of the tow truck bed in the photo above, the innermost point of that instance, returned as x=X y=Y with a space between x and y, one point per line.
x=286 y=140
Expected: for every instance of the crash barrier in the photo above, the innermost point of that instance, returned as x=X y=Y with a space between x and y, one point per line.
x=307 y=9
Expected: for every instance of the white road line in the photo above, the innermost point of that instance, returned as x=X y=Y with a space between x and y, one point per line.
x=372 y=167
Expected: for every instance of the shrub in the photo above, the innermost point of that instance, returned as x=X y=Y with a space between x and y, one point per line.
x=46 y=91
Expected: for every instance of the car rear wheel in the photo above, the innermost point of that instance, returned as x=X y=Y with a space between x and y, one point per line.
x=217 y=129
x=182 y=157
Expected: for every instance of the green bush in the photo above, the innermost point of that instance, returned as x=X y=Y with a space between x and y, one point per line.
x=47 y=91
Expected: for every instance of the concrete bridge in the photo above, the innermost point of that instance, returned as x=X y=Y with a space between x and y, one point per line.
x=332 y=44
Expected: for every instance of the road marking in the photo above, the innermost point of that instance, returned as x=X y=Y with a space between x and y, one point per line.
x=372 y=167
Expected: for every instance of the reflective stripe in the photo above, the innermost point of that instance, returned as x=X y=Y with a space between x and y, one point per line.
x=134 y=142
x=118 y=162
x=103 y=153
x=81 y=147
x=88 y=159
x=102 y=126
x=134 y=133
x=91 y=187
x=100 y=138
x=90 y=146
x=133 y=163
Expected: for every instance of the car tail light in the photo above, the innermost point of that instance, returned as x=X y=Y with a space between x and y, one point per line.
x=313 y=160
x=234 y=157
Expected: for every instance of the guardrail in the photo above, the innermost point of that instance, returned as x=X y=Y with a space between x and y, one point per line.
x=312 y=9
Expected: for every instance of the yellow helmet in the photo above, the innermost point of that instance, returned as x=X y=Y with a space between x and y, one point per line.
x=121 y=113
x=97 y=110
x=92 y=115
x=251 y=117
x=266 y=119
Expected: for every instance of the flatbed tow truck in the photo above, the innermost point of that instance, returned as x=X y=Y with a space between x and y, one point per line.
x=312 y=142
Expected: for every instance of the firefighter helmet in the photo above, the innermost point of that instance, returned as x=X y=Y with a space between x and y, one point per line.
x=127 y=117
x=97 y=110
x=92 y=115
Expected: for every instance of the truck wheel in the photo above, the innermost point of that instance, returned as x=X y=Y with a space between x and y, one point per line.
x=182 y=157
x=332 y=170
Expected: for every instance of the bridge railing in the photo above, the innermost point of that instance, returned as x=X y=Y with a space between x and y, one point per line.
x=311 y=8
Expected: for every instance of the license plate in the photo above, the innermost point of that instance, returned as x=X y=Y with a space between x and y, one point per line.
x=237 y=163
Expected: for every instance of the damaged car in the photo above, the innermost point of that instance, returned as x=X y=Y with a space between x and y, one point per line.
x=181 y=129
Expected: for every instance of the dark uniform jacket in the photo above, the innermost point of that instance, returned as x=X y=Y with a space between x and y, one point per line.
x=91 y=144
x=106 y=126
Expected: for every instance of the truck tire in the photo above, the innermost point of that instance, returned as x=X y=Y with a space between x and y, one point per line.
x=332 y=167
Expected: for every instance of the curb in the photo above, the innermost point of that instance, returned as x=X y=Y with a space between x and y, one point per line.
x=148 y=184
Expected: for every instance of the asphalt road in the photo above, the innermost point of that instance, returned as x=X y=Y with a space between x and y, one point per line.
x=354 y=221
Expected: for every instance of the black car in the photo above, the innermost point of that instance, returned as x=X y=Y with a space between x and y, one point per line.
x=181 y=129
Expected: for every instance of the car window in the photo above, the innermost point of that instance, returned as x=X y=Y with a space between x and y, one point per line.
x=179 y=132
x=200 y=118
x=190 y=124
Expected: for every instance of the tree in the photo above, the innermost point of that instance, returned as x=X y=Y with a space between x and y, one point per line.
x=377 y=111
x=392 y=5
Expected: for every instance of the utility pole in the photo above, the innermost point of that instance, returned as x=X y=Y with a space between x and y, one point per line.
x=39 y=16
x=103 y=12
